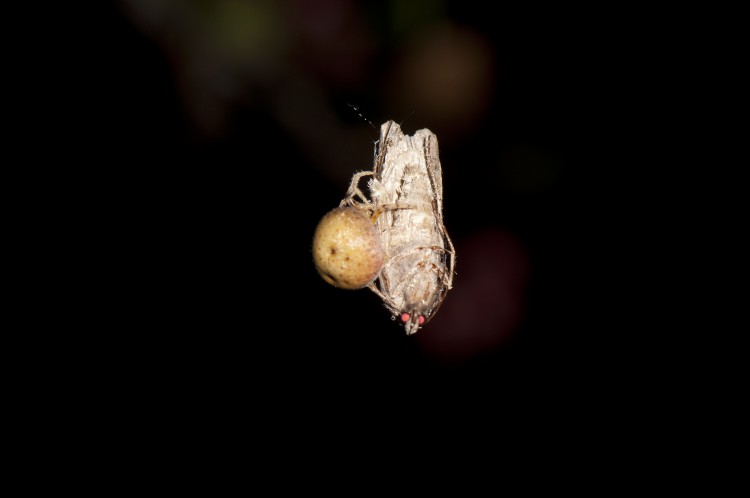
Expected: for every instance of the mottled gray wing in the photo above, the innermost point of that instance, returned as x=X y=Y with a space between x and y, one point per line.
x=434 y=169
x=388 y=131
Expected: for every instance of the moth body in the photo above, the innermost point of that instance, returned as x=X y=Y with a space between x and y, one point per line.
x=419 y=256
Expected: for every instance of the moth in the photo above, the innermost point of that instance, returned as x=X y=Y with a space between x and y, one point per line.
x=406 y=203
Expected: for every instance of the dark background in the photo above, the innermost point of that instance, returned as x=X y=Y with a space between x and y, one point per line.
x=202 y=287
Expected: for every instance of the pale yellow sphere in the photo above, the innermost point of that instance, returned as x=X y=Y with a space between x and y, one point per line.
x=346 y=248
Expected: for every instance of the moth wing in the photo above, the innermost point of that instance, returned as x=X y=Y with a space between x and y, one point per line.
x=435 y=172
x=434 y=169
x=390 y=134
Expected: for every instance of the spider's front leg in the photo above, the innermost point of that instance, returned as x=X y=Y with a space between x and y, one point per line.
x=354 y=196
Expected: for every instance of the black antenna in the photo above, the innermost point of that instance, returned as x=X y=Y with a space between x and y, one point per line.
x=356 y=109
x=412 y=113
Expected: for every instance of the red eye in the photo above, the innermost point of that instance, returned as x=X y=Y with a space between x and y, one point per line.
x=421 y=319
x=405 y=317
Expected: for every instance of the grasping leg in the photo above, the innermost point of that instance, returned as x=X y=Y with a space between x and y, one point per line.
x=354 y=192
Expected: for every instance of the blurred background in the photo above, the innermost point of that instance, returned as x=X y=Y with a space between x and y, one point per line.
x=222 y=130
